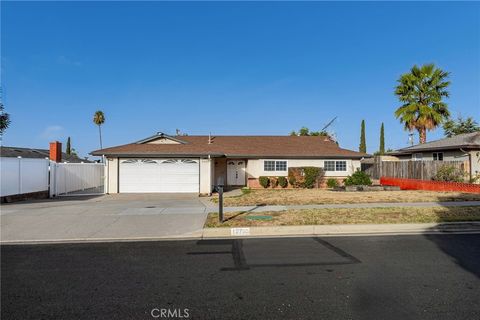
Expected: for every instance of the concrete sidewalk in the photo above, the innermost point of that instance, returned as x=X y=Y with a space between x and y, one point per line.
x=211 y=208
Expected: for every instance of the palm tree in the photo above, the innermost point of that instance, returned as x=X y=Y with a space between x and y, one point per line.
x=421 y=91
x=99 y=119
x=4 y=121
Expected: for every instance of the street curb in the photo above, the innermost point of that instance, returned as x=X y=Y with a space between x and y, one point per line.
x=467 y=227
x=344 y=230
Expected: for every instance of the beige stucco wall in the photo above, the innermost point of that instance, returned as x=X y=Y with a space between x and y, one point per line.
x=162 y=141
x=206 y=175
x=112 y=175
x=255 y=167
x=475 y=155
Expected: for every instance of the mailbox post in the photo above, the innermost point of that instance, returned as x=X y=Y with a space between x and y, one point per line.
x=220 y=203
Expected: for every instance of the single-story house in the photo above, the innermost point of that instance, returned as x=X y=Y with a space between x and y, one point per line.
x=33 y=153
x=164 y=163
x=462 y=147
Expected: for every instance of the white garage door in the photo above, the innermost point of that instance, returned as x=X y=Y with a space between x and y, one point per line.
x=159 y=175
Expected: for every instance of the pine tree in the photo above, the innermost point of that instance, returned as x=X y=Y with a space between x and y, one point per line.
x=68 y=148
x=363 y=143
x=382 y=139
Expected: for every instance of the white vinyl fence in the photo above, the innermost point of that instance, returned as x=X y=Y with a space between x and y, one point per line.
x=76 y=178
x=23 y=175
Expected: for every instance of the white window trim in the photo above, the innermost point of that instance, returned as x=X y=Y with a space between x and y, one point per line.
x=275 y=165
x=414 y=156
x=335 y=165
x=437 y=153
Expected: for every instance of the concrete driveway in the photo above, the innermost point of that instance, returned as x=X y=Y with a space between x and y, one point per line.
x=120 y=216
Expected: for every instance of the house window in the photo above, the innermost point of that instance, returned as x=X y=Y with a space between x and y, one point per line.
x=417 y=157
x=329 y=166
x=280 y=165
x=438 y=156
x=271 y=165
x=335 y=165
x=340 y=165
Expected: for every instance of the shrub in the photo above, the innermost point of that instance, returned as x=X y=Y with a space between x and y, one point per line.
x=264 y=181
x=282 y=182
x=332 y=183
x=305 y=177
x=295 y=177
x=449 y=173
x=359 y=178
x=312 y=176
x=292 y=181
x=273 y=182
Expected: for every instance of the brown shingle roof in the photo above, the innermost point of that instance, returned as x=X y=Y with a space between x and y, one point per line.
x=33 y=153
x=238 y=146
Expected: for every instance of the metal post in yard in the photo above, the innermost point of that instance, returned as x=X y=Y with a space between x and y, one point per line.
x=220 y=204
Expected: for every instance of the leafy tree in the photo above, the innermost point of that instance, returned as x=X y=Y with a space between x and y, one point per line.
x=421 y=91
x=99 y=119
x=4 y=120
x=363 y=142
x=382 y=140
x=68 y=148
x=452 y=128
x=304 y=131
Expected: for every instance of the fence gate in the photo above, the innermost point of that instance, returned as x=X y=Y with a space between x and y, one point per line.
x=74 y=179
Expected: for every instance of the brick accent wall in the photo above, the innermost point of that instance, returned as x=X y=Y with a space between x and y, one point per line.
x=414 y=184
x=254 y=184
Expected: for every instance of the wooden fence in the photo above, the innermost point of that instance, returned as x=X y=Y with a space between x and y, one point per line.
x=423 y=170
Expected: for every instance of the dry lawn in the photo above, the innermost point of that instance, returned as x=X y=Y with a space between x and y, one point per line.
x=347 y=216
x=322 y=196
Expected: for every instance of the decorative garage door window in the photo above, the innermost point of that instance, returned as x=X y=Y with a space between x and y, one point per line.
x=151 y=161
x=178 y=161
x=148 y=161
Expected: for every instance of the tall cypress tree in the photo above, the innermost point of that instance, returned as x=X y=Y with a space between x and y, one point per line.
x=382 y=139
x=363 y=142
x=68 y=148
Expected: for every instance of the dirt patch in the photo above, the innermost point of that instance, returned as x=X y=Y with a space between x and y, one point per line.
x=322 y=196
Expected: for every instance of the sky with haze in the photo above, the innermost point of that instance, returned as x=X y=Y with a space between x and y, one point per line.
x=252 y=68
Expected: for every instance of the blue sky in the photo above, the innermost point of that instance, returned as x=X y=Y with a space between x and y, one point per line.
x=226 y=68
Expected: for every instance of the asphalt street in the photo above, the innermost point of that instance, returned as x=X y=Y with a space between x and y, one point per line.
x=384 y=277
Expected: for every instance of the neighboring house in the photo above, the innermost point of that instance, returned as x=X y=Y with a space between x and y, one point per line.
x=463 y=147
x=31 y=153
x=163 y=163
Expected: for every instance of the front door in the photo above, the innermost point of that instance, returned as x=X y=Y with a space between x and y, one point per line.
x=236 y=172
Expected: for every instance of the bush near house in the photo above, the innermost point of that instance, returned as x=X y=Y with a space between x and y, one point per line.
x=273 y=182
x=359 y=178
x=449 y=173
x=264 y=181
x=305 y=177
x=332 y=183
x=282 y=182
